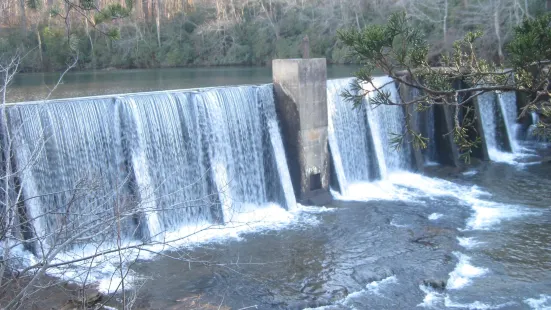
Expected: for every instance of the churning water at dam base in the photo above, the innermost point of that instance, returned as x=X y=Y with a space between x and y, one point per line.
x=452 y=239
x=392 y=239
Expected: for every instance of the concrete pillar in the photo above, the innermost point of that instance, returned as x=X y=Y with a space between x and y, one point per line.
x=300 y=90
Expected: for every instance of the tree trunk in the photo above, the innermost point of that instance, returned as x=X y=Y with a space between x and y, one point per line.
x=158 y=21
x=39 y=47
x=23 y=16
x=138 y=9
x=49 y=3
x=445 y=26
x=497 y=30
x=92 y=53
x=145 y=8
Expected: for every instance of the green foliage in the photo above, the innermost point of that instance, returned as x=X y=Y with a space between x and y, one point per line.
x=87 y=4
x=531 y=42
x=56 y=47
x=34 y=4
x=400 y=51
x=111 y=12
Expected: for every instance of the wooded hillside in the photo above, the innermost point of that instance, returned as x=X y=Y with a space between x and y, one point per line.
x=173 y=33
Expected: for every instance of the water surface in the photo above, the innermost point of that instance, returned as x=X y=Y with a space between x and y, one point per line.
x=37 y=86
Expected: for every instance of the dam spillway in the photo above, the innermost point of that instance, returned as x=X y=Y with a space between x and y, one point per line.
x=154 y=162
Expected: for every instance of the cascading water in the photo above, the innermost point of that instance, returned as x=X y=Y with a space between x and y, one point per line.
x=73 y=172
x=494 y=109
x=164 y=142
x=348 y=136
x=531 y=134
x=360 y=139
x=508 y=105
x=236 y=136
x=386 y=123
x=535 y=120
x=151 y=162
x=488 y=119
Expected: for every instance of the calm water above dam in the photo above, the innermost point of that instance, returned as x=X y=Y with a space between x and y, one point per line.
x=36 y=86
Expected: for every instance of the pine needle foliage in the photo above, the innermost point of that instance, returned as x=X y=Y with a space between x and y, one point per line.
x=400 y=50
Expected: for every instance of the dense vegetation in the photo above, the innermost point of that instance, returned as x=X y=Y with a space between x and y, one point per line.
x=168 y=33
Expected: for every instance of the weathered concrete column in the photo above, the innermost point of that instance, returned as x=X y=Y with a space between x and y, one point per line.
x=300 y=89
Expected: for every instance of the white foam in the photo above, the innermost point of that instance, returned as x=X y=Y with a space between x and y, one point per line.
x=432 y=299
x=379 y=190
x=470 y=173
x=468 y=242
x=105 y=270
x=463 y=273
x=435 y=216
x=393 y=223
x=315 y=209
x=488 y=214
x=435 y=187
x=436 y=300
x=510 y=158
x=477 y=305
x=502 y=157
x=375 y=286
x=407 y=186
x=371 y=288
x=541 y=303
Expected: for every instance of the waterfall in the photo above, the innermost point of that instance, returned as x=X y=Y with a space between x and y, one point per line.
x=72 y=165
x=387 y=121
x=508 y=105
x=431 y=152
x=531 y=134
x=348 y=136
x=139 y=165
x=360 y=139
x=498 y=114
x=164 y=143
x=488 y=120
